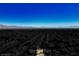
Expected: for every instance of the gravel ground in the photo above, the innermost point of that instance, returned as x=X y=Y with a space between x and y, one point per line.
x=52 y=42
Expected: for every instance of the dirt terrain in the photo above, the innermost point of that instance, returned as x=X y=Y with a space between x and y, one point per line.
x=27 y=42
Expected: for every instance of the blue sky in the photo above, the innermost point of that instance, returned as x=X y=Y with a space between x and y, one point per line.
x=40 y=14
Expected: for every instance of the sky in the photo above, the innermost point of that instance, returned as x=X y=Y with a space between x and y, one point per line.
x=40 y=14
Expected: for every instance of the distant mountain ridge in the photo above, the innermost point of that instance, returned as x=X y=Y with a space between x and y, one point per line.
x=7 y=27
x=23 y=27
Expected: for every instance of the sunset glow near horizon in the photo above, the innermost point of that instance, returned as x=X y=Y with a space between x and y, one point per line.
x=39 y=14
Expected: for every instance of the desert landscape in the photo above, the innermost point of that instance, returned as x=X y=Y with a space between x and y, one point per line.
x=42 y=42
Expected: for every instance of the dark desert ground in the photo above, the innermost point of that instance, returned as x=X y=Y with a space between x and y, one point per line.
x=25 y=41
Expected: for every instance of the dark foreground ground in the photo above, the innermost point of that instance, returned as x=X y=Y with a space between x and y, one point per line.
x=54 y=42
